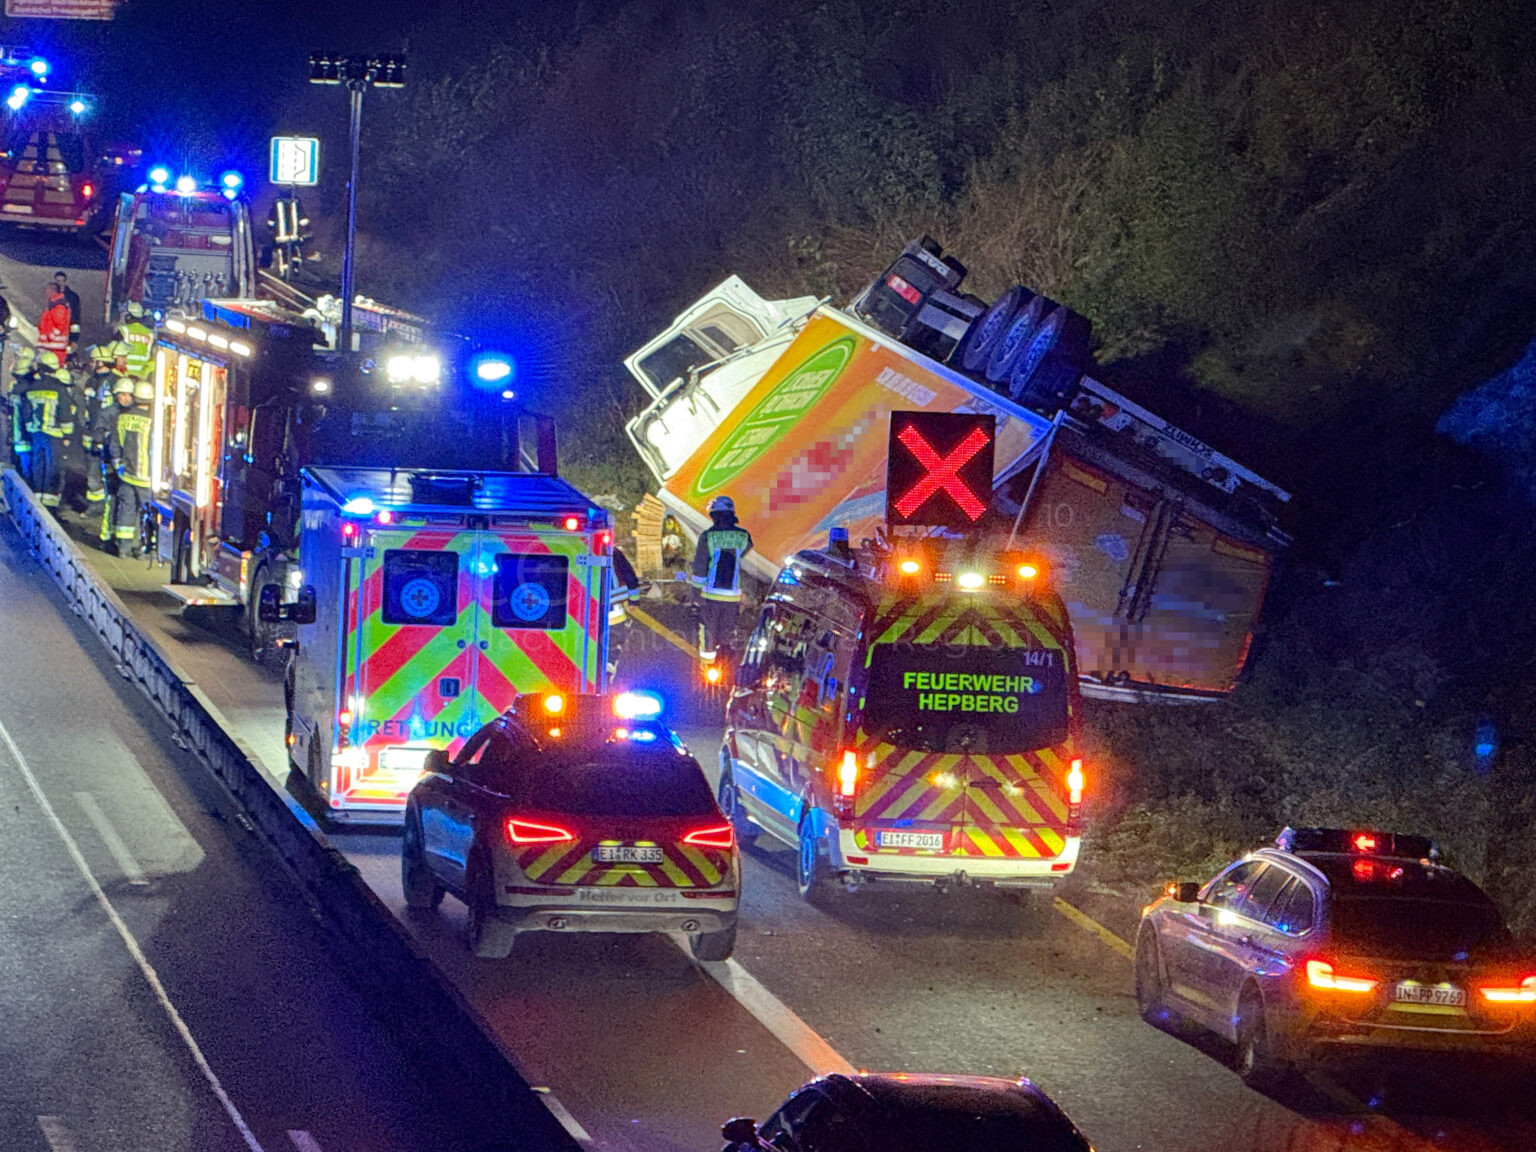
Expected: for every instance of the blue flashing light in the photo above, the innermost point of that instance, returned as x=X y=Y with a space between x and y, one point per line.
x=18 y=97
x=642 y=736
x=186 y=185
x=160 y=176
x=1484 y=748
x=232 y=180
x=77 y=107
x=637 y=706
x=39 y=67
x=358 y=506
x=492 y=371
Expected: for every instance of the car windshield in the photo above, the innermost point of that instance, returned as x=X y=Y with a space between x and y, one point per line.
x=616 y=782
x=673 y=360
x=1415 y=929
x=418 y=436
x=941 y=697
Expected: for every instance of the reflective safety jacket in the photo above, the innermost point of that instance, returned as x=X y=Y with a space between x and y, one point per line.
x=16 y=417
x=49 y=406
x=98 y=400
x=717 y=561
x=128 y=444
x=623 y=586
x=140 y=338
x=53 y=326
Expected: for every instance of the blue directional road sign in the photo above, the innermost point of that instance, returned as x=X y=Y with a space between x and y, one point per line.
x=295 y=160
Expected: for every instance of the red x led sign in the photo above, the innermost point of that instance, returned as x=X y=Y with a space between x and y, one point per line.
x=939 y=469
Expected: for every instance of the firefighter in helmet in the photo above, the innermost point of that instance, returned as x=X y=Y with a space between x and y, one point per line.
x=17 y=439
x=97 y=391
x=128 y=446
x=49 y=412
x=139 y=336
x=717 y=573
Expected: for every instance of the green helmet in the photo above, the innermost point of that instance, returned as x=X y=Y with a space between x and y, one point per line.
x=48 y=360
x=135 y=310
x=99 y=353
x=64 y=376
x=144 y=391
x=25 y=358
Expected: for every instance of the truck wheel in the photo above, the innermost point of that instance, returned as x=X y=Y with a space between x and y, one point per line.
x=262 y=636
x=713 y=945
x=813 y=875
x=422 y=891
x=489 y=935
x=1256 y=1061
x=1042 y=342
x=1015 y=340
x=988 y=330
x=730 y=804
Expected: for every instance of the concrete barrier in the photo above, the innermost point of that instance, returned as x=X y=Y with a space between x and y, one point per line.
x=445 y=1038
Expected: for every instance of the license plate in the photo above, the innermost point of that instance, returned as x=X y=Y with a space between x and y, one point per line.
x=932 y=841
x=24 y=209
x=626 y=854
x=1409 y=992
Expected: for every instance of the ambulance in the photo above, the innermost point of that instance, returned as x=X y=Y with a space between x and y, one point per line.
x=910 y=715
x=427 y=602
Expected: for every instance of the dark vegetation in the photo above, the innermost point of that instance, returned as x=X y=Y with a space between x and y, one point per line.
x=1299 y=230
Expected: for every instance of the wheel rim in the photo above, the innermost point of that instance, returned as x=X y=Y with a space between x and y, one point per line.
x=807 y=858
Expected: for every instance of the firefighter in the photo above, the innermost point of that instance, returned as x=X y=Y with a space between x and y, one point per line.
x=53 y=326
x=49 y=403
x=128 y=456
x=16 y=426
x=717 y=572
x=140 y=339
x=96 y=397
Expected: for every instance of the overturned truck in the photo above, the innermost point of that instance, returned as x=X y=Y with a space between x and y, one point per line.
x=1162 y=546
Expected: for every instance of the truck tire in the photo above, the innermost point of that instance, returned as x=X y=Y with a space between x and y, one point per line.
x=1041 y=343
x=976 y=348
x=1015 y=339
x=262 y=636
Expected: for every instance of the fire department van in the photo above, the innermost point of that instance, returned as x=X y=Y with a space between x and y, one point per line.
x=910 y=714
x=428 y=602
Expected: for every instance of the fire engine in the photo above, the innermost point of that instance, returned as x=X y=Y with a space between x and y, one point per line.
x=54 y=173
x=177 y=240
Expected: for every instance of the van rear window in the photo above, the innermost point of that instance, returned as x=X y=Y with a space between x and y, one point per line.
x=420 y=587
x=530 y=591
x=941 y=697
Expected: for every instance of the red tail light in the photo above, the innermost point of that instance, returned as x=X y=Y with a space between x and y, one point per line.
x=87 y=190
x=1522 y=993
x=521 y=831
x=1320 y=974
x=571 y=523
x=1364 y=842
x=602 y=544
x=714 y=836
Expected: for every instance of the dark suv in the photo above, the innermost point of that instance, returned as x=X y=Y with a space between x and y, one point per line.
x=1337 y=939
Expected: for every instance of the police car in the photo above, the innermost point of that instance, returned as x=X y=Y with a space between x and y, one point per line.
x=574 y=814
x=1337 y=939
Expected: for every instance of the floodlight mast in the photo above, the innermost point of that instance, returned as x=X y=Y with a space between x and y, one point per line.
x=358 y=73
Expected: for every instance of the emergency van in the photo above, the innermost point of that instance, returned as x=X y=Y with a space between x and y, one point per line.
x=910 y=714
x=428 y=601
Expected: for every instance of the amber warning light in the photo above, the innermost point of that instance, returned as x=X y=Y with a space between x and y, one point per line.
x=939 y=469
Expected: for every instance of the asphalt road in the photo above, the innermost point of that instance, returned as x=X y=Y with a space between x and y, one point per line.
x=647 y=1050
x=164 y=986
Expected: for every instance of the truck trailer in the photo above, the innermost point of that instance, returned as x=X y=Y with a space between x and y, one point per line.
x=1161 y=545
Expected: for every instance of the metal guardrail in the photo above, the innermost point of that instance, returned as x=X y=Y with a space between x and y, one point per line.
x=447 y=1039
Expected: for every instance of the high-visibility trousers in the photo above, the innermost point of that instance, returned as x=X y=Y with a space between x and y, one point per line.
x=47 y=476
x=128 y=511
x=717 y=622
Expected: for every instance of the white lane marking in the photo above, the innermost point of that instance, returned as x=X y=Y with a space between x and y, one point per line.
x=129 y=942
x=303 y=1141
x=58 y=1137
x=561 y=1113
x=774 y=1015
x=111 y=839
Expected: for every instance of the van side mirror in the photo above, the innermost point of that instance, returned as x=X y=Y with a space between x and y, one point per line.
x=436 y=761
x=1184 y=891
x=270 y=608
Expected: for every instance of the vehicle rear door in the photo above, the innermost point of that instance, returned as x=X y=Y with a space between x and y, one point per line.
x=410 y=651
x=537 y=600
